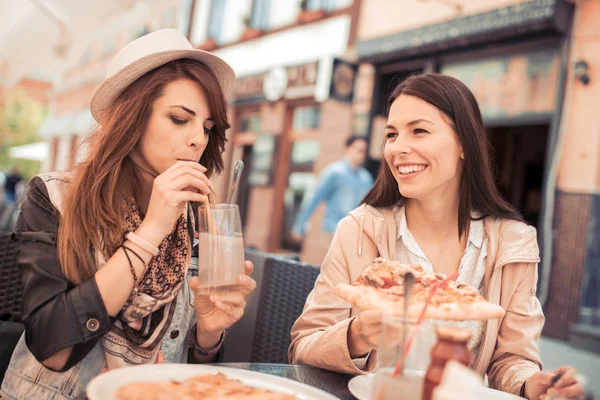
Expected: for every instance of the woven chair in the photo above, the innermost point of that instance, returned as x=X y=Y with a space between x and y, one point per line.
x=263 y=334
x=10 y=280
x=10 y=301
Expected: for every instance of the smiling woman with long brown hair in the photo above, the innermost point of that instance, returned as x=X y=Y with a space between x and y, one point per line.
x=106 y=251
x=435 y=204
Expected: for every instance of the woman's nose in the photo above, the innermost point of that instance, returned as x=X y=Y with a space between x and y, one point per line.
x=198 y=140
x=401 y=145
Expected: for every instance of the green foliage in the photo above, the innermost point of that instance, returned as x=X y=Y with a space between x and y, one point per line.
x=20 y=120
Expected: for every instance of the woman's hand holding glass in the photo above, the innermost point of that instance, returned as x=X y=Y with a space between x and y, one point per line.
x=171 y=191
x=218 y=311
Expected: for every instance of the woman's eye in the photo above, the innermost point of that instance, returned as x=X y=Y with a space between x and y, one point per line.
x=420 y=131
x=207 y=131
x=391 y=135
x=178 y=121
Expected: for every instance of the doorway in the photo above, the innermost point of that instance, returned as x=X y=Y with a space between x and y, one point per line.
x=519 y=157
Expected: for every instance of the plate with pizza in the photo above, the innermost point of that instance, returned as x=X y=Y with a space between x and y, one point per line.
x=381 y=287
x=189 y=382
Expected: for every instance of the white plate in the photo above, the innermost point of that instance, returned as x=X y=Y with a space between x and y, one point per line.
x=104 y=386
x=360 y=386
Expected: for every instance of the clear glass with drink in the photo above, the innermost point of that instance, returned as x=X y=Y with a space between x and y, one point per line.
x=408 y=385
x=220 y=248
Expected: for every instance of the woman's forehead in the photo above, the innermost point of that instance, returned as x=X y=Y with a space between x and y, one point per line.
x=186 y=93
x=408 y=110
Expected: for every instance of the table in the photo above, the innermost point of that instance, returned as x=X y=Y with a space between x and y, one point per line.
x=331 y=382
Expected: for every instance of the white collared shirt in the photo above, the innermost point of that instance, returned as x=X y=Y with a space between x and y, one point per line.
x=471 y=269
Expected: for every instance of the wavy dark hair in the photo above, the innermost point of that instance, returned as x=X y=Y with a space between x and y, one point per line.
x=477 y=188
x=92 y=216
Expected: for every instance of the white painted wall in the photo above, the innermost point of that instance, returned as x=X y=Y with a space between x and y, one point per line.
x=290 y=47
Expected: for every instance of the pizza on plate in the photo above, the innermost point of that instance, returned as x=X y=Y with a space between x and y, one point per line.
x=381 y=287
x=201 y=387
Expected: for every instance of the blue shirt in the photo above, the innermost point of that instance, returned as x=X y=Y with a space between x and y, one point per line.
x=342 y=188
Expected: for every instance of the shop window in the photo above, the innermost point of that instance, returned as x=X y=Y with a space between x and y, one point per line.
x=327 y=5
x=259 y=18
x=217 y=16
x=250 y=124
x=185 y=16
x=306 y=118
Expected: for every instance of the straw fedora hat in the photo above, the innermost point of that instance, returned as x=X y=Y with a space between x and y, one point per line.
x=147 y=53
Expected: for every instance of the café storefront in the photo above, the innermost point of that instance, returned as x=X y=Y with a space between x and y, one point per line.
x=514 y=60
x=289 y=122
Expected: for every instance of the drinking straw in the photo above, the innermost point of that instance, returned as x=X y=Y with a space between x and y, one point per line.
x=432 y=290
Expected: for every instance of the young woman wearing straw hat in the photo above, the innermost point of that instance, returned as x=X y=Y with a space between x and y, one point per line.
x=105 y=251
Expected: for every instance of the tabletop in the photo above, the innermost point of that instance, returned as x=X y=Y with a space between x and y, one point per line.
x=328 y=381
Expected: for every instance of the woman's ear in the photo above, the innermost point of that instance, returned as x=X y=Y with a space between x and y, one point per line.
x=462 y=155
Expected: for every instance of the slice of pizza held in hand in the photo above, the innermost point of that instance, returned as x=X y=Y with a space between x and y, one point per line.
x=381 y=287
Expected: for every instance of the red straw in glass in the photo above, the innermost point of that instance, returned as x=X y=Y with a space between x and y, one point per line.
x=432 y=290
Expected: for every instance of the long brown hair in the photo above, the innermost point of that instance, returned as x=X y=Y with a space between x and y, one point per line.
x=477 y=189
x=93 y=213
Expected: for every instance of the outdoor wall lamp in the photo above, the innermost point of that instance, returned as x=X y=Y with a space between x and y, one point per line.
x=581 y=72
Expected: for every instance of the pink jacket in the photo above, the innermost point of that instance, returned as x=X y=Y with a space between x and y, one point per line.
x=508 y=354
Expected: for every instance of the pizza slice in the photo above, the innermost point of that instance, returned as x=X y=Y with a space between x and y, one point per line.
x=381 y=287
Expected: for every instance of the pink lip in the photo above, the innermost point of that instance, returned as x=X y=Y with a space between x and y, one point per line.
x=186 y=159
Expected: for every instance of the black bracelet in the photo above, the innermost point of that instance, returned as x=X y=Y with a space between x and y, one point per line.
x=522 y=394
x=137 y=255
x=135 y=279
x=193 y=343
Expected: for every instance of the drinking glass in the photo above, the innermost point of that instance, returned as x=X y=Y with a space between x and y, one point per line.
x=220 y=248
x=409 y=385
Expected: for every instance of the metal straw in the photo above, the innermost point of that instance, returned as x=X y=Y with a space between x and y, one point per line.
x=238 y=167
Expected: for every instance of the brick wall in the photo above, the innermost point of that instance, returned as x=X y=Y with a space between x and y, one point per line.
x=260 y=211
x=572 y=215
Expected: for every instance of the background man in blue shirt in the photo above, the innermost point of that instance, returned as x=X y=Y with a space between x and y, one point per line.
x=342 y=185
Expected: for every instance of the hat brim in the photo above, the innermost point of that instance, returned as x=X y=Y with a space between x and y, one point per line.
x=114 y=85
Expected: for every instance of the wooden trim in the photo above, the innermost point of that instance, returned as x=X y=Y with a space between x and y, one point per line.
x=401 y=66
x=244 y=138
x=354 y=21
x=282 y=164
x=329 y=15
x=54 y=145
x=191 y=21
x=501 y=50
x=308 y=134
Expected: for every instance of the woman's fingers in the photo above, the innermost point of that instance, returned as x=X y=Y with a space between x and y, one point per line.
x=248 y=284
x=232 y=299
x=186 y=196
x=248 y=267
x=184 y=182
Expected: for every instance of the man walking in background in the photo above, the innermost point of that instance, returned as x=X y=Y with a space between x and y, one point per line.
x=342 y=185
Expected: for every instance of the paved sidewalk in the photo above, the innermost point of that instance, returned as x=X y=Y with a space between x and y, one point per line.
x=556 y=353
